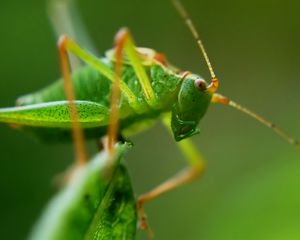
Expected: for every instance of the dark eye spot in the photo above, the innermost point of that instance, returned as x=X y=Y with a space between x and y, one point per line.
x=200 y=83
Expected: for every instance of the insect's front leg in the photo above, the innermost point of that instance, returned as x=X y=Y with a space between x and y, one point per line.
x=193 y=171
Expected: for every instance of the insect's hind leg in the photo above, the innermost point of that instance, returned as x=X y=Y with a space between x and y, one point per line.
x=123 y=36
x=113 y=127
x=78 y=136
x=69 y=45
x=193 y=171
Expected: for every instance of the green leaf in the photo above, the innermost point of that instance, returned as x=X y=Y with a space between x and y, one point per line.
x=98 y=203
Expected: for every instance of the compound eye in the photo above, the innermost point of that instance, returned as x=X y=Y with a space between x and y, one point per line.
x=200 y=83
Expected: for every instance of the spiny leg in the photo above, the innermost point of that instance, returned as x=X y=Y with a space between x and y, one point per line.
x=115 y=98
x=65 y=19
x=195 y=169
x=78 y=136
x=123 y=42
x=90 y=59
x=124 y=37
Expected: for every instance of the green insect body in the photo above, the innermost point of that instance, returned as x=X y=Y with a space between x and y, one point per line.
x=97 y=203
x=175 y=93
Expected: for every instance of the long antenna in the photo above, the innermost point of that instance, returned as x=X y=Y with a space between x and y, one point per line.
x=267 y=123
x=218 y=98
x=188 y=21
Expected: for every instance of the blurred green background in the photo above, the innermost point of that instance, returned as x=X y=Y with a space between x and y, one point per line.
x=251 y=188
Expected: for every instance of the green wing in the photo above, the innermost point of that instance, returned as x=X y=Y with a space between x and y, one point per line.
x=55 y=115
x=51 y=121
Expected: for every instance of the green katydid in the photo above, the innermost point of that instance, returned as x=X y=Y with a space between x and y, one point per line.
x=150 y=88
